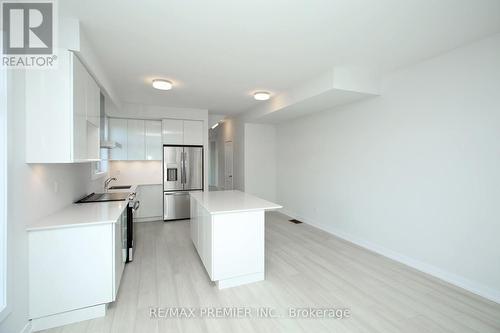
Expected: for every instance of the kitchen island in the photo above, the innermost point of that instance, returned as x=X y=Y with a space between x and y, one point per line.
x=227 y=229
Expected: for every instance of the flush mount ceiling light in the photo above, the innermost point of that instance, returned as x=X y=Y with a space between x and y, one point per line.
x=262 y=95
x=162 y=84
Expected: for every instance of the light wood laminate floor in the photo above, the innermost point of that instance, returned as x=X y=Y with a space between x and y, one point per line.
x=305 y=267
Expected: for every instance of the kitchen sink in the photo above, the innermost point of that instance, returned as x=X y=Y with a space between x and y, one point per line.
x=121 y=187
x=101 y=197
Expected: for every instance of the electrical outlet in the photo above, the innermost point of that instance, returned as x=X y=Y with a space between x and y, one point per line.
x=56 y=187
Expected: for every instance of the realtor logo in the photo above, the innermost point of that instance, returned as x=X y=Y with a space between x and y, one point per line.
x=28 y=34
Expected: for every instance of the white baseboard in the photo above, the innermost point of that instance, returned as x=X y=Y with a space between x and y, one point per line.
x=27 y=328
x=69 y=317
x=240 y=280
x=456 y=280
x=148 y=219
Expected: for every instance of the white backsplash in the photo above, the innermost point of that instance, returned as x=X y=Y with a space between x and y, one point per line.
x=136 y=172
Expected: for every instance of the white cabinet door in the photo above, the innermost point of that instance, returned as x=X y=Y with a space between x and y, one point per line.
x=201 y=231
x=193 y=132
x=70 y=268
x=118 y=133
x=86 y=114
x=92 y=97
x=151 y=202
x=135 y=136
x=62 y=113
x=153 y=140
x=119 y=256
x=193 y=222
x=172 y=132
x=79 y=110
x=93 y=101
x=49 y=118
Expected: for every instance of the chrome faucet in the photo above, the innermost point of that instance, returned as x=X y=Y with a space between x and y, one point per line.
x=106 y=183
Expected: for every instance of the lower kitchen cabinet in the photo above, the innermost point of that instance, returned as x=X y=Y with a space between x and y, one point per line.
x=73 y=269
x=151 y=201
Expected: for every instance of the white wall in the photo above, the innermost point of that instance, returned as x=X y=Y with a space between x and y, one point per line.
x=136 y=172
x=260 y=160
x=31 y=196
x=414 y=174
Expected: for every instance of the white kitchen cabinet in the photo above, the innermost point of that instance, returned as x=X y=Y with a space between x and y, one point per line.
x=173 y=131
x=182 y=132
x=93 y=101
x=79 y=111
x=73 y=268
x=139 y=139
x=193 y=132
x=151 y=203
x=62 y=113
x=120 y=252
x=118 y=133
x=136 y=139
x=74 y=271
x=153 y=140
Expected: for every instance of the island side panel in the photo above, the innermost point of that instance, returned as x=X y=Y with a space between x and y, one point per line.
x=238 y=244
x=201 y=234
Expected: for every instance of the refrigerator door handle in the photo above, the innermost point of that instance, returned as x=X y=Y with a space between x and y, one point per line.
x=183 y=164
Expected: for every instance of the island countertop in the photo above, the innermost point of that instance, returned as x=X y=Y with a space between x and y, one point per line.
x=220 y=202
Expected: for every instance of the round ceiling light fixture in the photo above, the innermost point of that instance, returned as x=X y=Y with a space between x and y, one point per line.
x=262 y=95
x=162 y=84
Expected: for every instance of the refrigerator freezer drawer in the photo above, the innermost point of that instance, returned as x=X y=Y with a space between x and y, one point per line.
x=176 y=205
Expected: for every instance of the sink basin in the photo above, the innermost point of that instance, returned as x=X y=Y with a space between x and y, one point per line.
x=122 y=187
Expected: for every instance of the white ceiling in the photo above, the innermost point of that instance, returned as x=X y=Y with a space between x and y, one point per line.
x=218 y=52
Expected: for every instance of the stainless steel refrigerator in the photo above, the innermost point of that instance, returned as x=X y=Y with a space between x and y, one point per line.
x=182 y=173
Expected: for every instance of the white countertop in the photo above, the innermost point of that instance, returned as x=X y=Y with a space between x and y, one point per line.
x=83 y=214
x=218 y=202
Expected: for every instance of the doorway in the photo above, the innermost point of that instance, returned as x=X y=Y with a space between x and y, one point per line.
x=228 y=165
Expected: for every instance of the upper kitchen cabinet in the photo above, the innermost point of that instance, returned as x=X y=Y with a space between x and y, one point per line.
x=193 y=132
x=62 y=113
x=153 y=140
x=137 y=139
x=173 y=131
x=182 y=132
x=118 y=133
